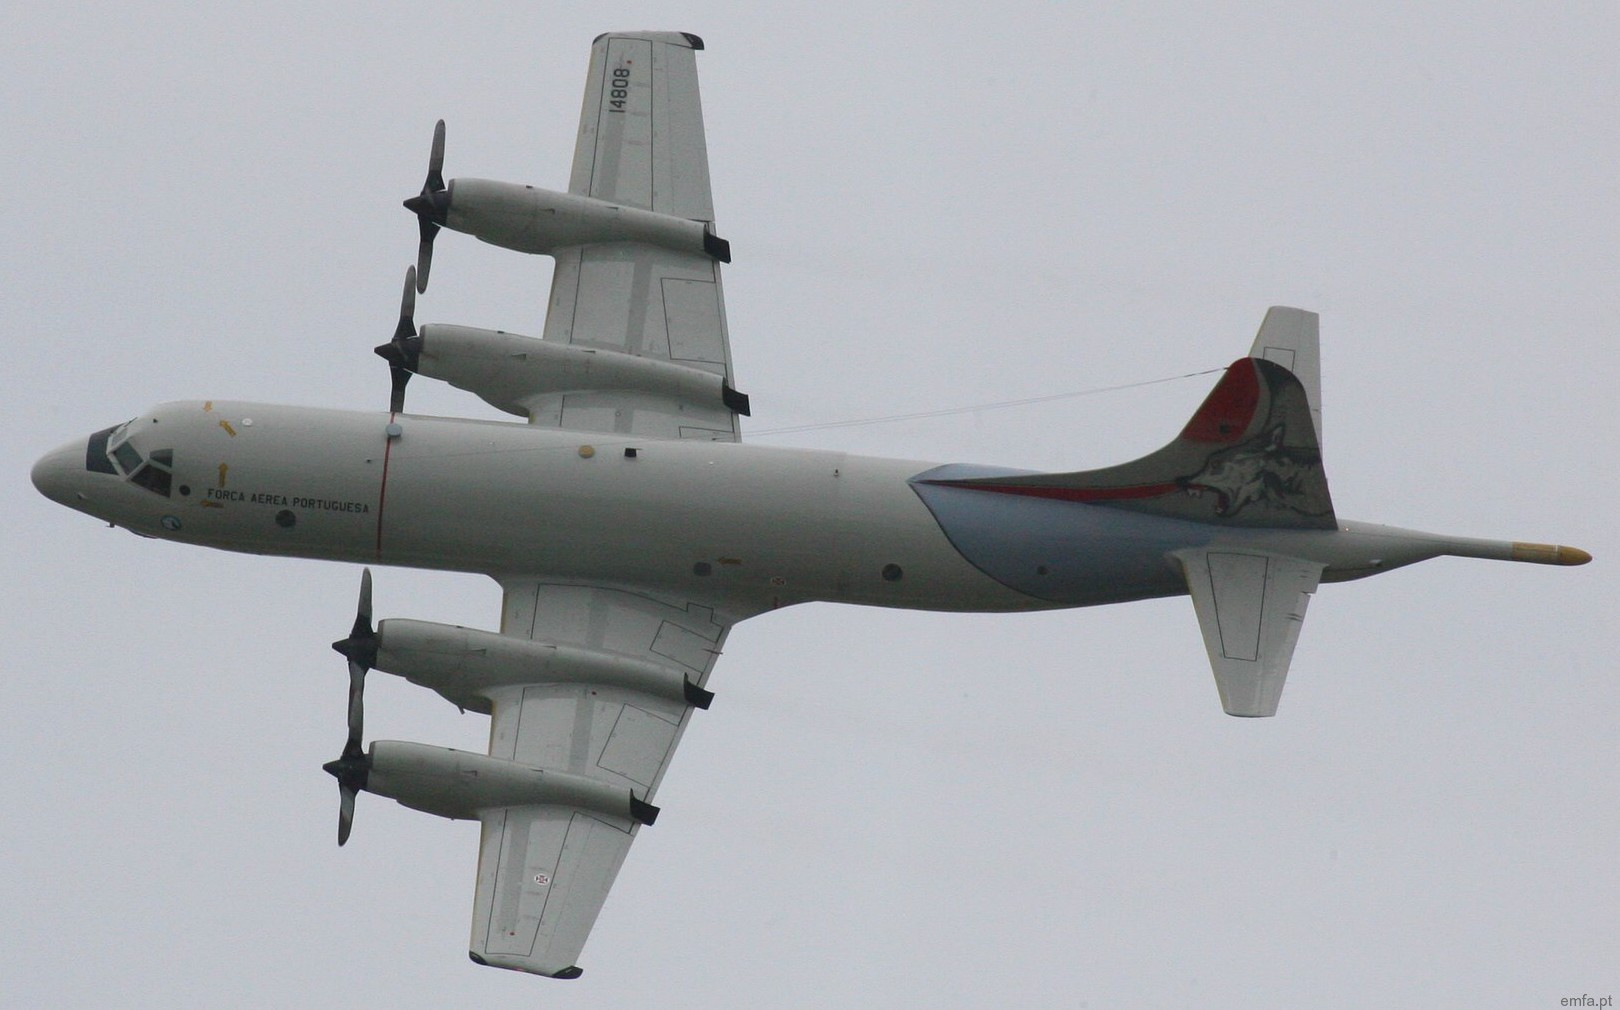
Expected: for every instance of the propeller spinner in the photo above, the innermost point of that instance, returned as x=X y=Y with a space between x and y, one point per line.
x=353 y=768
x=431 y=207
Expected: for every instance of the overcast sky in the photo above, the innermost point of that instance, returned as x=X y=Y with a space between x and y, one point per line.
x=929 y=207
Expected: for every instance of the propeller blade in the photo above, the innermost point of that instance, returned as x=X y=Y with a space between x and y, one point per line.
x=362 y=611
x=345 y=812
x=396 y=393
x=436 y=157
x=407 y=308
x=424 y=254
x=352 y=770
x=357 y=703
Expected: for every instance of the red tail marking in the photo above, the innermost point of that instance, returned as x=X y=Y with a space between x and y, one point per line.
x=1229 y=408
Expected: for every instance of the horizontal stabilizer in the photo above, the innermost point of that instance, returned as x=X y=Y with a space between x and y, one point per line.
x=1250 y=606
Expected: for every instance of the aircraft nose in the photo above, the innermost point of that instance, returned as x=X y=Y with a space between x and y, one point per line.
x=57 y=474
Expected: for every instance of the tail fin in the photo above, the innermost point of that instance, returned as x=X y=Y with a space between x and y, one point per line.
x=1289 y=337
x=1251 y=455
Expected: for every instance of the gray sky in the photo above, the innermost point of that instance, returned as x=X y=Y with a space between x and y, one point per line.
x=930 y=207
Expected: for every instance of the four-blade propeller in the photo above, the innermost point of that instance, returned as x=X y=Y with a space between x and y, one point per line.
x=404 y=352
x=431 y=207
x=353 y=768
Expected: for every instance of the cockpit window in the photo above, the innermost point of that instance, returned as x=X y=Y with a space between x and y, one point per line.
x=153 y=471
x=95 y=452
x=126 y=457
x=154 y=478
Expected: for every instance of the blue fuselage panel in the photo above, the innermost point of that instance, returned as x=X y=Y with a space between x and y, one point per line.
x=1069 y=553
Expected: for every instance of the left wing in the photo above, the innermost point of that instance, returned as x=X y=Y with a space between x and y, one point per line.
x=641 y=145
x=623 y=672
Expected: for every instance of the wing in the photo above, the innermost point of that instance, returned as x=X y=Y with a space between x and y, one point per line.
x=624 y=672
x=1250 y=607
x=641 y=144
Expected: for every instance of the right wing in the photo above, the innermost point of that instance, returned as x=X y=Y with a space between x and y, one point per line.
x=610 y=704
x=641 y=144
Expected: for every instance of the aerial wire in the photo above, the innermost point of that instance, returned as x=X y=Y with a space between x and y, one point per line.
x=975 y=408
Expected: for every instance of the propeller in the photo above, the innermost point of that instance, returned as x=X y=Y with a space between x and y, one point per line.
x=431 y=207
x=353 y=768
x=404 y=352
x=351 y=771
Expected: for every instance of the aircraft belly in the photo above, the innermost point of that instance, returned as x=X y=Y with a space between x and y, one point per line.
x=757 y=526
x=749 y=527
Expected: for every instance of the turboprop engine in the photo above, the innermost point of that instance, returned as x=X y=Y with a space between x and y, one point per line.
x=461 y=785
x=464 y=665
x=531 y=220
x=513 y=372
x=516 y=373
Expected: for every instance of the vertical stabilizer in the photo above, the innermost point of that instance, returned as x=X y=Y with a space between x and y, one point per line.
x=1289 y=337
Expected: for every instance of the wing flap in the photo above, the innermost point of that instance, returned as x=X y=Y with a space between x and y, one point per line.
x=612 y=735
x=1251 y=606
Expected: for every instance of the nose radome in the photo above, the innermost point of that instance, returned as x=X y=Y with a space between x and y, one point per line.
x=57 y=472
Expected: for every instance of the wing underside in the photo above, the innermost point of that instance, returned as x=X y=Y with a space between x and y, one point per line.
x=641 y=144
x=610 y=705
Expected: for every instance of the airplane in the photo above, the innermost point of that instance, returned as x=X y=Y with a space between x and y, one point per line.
x=630 y=527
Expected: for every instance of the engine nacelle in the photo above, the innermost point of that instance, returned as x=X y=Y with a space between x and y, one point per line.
x=465 y=665
x=513 y=372
x=460 y=784
x=532 y=220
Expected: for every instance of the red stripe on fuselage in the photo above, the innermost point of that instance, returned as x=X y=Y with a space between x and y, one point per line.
x=1079 y=494
x=382 y=490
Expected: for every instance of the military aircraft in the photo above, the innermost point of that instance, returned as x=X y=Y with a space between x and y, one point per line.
x=630 y=527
